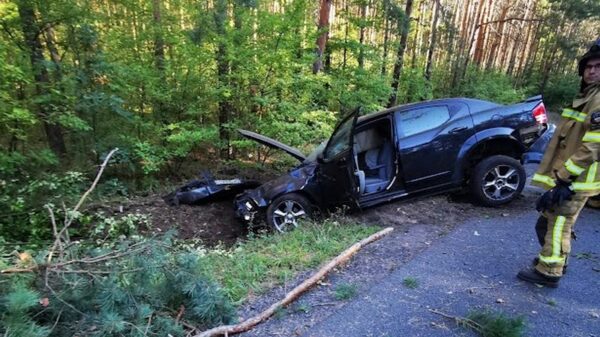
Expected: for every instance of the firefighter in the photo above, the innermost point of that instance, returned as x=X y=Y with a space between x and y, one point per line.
x=569 y=172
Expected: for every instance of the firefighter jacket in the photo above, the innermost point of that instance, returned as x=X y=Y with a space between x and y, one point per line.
x=574 y=150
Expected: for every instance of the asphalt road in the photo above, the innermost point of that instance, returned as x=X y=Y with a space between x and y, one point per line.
x=473 y=268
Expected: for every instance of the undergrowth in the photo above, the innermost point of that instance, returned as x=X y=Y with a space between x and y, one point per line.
x=153 y=287
x=264 y=261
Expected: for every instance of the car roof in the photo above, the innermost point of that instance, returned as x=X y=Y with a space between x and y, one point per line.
x=468 y=101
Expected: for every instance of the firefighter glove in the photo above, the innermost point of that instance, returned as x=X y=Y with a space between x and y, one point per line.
x=556 y=196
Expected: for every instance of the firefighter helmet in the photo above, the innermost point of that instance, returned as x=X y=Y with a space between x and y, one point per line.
x=592 y=53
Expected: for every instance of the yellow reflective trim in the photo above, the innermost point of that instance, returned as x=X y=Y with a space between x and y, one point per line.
x=591 y=137
x=573 y=168
x=544 y=180
x=551 y=259
x=557 y=235
x=568 y=112
x=586 y=186
x=591 y=176
x=574 y=114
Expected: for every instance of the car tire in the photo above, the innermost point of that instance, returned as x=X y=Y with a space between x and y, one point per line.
x=285 y=211
x=497 y=180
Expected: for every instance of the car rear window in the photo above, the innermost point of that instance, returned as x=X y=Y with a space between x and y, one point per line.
x=416 y=121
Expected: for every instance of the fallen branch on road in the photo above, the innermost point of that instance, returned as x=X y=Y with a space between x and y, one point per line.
x=296 y=292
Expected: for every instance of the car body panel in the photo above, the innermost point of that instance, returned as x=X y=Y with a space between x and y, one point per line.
x=442 y=143
x=273 y=143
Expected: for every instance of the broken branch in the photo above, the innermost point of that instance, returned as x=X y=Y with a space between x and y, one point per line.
x=69 y=219
x=297 y=291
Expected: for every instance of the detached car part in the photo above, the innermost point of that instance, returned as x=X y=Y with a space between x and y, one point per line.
x=208 y=189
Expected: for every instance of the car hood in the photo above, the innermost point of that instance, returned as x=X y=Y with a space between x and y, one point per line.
x=264 y=140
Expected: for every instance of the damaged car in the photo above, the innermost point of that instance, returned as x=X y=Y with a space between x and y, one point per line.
x=407 y=151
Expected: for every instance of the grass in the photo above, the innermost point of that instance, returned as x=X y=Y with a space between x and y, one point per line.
x=410 y=282
x=494 y=324
x=272 y=259
x=344 y=291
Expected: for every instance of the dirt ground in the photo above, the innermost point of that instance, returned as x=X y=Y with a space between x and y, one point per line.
x=214 y=223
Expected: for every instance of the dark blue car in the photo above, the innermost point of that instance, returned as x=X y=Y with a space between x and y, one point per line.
x=406 y=151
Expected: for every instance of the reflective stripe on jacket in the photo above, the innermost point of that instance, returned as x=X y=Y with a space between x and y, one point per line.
x=573 y=153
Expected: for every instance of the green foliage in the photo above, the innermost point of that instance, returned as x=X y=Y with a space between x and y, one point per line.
x=560 y=90
x=23 y=216
x=495 y=324
x=113 y=228
x=345 y=291
x=135 y=288
x=410 y=282
x=490 y=85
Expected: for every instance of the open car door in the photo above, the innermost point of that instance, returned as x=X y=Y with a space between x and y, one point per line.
x=336 y=166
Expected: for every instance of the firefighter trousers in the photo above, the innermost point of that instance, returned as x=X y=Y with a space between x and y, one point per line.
x=557 y=240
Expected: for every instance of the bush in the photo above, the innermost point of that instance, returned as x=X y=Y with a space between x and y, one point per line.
x=490 y=85
x=560 y=91
x=23 y=217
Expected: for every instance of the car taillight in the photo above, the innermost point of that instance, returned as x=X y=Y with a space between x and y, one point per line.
x=539 y=113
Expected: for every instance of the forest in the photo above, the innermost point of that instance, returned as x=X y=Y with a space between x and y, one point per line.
x=168 y=82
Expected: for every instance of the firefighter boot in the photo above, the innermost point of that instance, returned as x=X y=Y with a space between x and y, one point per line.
x=534 y=276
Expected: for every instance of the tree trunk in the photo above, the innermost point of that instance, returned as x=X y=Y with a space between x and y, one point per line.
x=159 y=44
x=31 y=33
x=477 y=57
x=400 y=54
x=158 y=105
x=220 y=17
x=346 y=34
x=386 y=36
x=477 y=25
x=432 y=43
x=323 y=36
x=361 y=50
x=497 y=39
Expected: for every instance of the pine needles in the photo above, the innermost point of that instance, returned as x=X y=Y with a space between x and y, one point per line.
x=157 y=291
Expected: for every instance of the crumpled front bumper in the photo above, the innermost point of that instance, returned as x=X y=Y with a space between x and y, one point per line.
x=245 y=208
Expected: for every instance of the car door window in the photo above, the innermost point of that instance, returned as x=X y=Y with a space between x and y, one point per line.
x=340 y=140
x=418 y=120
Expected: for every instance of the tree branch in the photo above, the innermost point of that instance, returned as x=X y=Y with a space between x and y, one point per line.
x=297 y=291
x=507 y=20
x=69 y=219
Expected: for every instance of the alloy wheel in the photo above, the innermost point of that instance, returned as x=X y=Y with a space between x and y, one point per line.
x=501 y=182
x=286 y=215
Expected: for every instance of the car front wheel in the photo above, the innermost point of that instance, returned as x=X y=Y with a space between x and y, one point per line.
x=497 y=180
x=284 y=212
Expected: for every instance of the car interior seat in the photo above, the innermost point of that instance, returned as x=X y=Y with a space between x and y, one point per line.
x=379 y=162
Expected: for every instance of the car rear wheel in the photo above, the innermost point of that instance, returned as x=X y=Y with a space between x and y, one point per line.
x=284 y=212
x=497 y=180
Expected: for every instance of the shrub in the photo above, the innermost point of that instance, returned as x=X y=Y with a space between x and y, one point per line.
x=135 y=289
